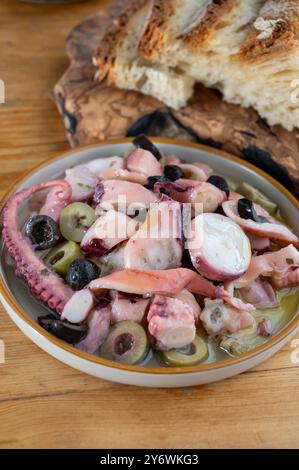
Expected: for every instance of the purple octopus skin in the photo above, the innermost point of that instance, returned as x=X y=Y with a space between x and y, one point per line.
x=99 y=325
x=47 y=286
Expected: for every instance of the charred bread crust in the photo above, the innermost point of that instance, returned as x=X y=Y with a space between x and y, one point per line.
x=153 y=37
x=279 y=36
x=106 y=53
x=213 y=16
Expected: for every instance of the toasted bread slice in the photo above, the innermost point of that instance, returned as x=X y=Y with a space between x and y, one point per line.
x=248 y=49
x=120 y=63
x=267 y=65
x=198 y=37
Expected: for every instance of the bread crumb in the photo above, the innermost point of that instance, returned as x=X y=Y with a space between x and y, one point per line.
x=266 y=27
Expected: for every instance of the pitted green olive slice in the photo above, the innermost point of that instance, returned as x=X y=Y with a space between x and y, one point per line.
x=75 y=220
x=126 y=343
x=60 y=257
x=191 y=355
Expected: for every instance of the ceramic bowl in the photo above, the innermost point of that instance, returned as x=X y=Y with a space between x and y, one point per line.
x=23 y=308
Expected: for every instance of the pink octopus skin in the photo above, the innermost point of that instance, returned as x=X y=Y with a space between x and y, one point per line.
x=261 y=294
x=259 y=245
x=126 y=307
x=269 y=264
x=199 y=192
x=157 y=244
x=56 y=200
x=107 y=231
x=171 y=320
x=167 y=282
x=264 y=328
x=111 y=193
x=275 y=265
x=289 y=278
x=45 y=284
x=143 y=282
x=272 y=229
x=82 y=182
x=83 y=178
x=219 y=318
x=144 y=162
x=125 y=175
x=99 y=324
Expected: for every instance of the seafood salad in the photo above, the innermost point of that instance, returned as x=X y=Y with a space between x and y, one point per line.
x=150 y=256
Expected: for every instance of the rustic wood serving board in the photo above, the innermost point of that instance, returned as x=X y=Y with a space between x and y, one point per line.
x=93 y=111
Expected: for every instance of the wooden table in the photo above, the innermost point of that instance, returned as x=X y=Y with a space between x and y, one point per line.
x=44 y=403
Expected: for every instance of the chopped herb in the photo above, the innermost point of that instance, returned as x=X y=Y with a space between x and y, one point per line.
x=289 y=261
x=45 y=272
x=82 y=185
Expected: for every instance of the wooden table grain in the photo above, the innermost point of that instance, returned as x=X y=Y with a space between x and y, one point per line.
x=44 y=403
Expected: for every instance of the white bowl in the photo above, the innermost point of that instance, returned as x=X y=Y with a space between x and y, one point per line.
x=23 y=309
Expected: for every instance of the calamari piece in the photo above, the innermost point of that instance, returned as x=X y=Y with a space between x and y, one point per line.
x=219 y=249
x=124 y=175
x=261 y=294
x=264 y=328
x=272 y=229
x=108 y=231
x=199 y=192
x=144 y=162
x=259 y=245
x=127 y=307
x=171 y=321
x=172 y=160
x=219 y=318
x=78 y=307
x=111 y=261
x=195 y=172
x=290 y=278
x=157 y=244
x=121 y=194
x=166 y=282
x=99 y=165
x=82 y=182
x=98 y=327
x=270 y=264
x=191 y=303
x=57 y=199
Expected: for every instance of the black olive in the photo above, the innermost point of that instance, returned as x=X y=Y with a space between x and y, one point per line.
x=46 y=320
x=141 y=141
x=42 y=231
x=173 y=172
x=62 y=329
x=247 y=211
x=220 y=183
x=152 y=180
x=80 y=272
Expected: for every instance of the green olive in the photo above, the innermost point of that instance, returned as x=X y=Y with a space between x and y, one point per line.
x=257 y=196
x=126 y=343
x=75 y=220
x=60 y=257
x=191 y=355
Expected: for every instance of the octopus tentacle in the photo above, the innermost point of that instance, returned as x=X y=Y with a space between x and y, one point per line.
x=44 y=283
